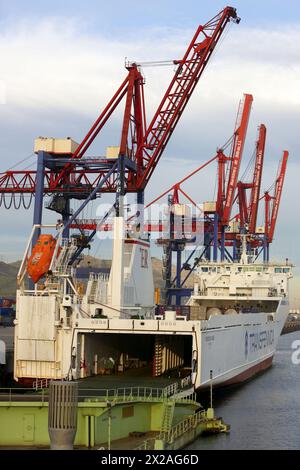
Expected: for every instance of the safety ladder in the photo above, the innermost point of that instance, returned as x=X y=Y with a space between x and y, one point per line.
x=67 y=251
x=168 y=413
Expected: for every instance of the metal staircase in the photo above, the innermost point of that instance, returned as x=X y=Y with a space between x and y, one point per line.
x=68 y=248
x=168 y=414
x=93 y=290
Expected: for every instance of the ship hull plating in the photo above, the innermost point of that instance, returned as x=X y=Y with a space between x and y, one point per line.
x=234 y=350
x=230 y=348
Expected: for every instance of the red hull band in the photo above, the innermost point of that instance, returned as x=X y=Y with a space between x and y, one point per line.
x=248 y=374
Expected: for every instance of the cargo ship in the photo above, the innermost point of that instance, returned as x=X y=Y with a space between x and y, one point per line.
x=227 y=332
x=226 y=329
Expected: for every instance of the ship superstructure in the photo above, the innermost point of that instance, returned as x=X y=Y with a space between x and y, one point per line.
x=228 y=332
x=243 y=308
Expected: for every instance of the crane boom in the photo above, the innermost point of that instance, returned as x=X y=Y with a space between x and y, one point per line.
x=236 y=156
x=142 y=146
x=277 y=195
x=186 y=77
x=255 y=190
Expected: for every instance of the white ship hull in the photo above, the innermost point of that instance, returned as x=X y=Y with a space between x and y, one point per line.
x=234 y=347
x=237 y=348
x=236 y=314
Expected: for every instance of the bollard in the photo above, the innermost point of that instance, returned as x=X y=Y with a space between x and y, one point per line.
x=62 y=414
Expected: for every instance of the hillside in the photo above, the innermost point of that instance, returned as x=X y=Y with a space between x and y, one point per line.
x=8 y=273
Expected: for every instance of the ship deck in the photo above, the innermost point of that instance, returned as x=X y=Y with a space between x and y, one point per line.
x=95 y=385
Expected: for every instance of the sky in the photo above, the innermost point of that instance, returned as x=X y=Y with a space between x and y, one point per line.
x=61 y=61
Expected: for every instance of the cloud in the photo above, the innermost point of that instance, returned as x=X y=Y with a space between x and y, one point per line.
x=58 y=77
x=56 y=64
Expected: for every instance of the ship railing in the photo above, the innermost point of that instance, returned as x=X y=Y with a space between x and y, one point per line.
x=99 y=277
x=68 y=242
x=52 y=288
x=63 y=270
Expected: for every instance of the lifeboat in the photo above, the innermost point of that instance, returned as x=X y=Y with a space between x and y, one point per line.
x=41 y=256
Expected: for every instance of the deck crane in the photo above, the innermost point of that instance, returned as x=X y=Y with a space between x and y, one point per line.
x=272 y=204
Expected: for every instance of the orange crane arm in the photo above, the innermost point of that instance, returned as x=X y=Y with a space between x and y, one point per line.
x=277 y=195
x=186 y=77
x=255 y=191
x=236 y=156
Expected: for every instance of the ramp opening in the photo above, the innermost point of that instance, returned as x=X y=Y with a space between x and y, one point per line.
x=135 y=355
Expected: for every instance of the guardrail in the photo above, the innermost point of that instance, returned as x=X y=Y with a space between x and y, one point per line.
x=12 y=394
x=148 y=444
x=183 y=426
x=189 y=423
x=123 y=394
x=40 y=384
x=132 y=394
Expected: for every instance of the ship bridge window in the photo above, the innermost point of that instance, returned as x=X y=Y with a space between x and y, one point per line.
x=278 y=270
x=46 y=243
x=259 y=269
x=286 y=270
x=205 y=270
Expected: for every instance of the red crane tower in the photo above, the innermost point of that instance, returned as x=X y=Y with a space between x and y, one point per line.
x=248 y=213
x=73 y=176
x=141 y=147
x=272 y=204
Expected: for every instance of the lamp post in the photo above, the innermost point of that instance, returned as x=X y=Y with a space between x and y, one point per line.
x=109 y=405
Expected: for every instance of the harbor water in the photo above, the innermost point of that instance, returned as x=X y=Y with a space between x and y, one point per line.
x=263 y=413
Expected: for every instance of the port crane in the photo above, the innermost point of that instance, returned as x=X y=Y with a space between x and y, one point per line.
x=272 y=203
x=73 y=175
x=214 y=218
x=77 y=176
x=141 y=146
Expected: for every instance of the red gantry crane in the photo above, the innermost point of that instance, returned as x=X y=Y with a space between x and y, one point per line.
x=272 y=202
x=141 y=147
x=248 y=212
x=235 y=162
